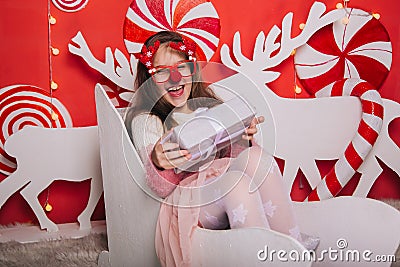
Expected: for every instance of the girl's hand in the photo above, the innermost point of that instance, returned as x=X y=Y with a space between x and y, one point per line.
x=252 y=129
x=168 y=155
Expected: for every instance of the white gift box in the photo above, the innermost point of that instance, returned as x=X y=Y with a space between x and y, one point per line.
x=211 y=130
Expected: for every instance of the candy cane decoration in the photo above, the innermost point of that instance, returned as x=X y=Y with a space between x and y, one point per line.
x=70 y=5
x=358 y=46
x=197 y=20
x=22 y=105
x=367 y=133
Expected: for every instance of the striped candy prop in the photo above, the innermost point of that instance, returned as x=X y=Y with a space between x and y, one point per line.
x=367 y=133
x=359 y=49
x=22 y=105
x=197 y=20
x=70 y=5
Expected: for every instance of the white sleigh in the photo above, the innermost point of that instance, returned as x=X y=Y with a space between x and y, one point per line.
x=131 y=215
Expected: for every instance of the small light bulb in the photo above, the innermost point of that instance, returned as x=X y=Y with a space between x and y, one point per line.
x=376 y=15
x=339 y=5
x=55 y=51
x=301 y=26
x=297 y=89
x=48 y=207
x=293 y=52
x=52 y=20
x=53 y=85
x=54 y=116
x=345 y=20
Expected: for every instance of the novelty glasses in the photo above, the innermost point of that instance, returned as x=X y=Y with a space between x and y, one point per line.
x=175 y=72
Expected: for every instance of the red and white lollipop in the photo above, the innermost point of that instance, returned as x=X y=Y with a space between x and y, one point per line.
x=356 y=47
x=22 y=105
x=70 y=5
x=196 y=20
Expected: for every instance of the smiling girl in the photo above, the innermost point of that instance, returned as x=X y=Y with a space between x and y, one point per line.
x=168 y=91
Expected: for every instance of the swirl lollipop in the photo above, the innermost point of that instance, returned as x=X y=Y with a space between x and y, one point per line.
x=70 y=5
x=22 y=105
x=356 y=47
x=196 y=20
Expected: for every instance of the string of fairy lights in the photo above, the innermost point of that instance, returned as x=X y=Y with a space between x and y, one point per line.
x=52 y=51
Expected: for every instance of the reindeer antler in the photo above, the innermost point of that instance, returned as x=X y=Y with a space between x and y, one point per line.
x=257 y=67
x=121 y=75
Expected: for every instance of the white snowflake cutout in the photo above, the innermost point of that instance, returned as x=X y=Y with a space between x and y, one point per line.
x=239 y=214
x=269 y=209
x=295 y=232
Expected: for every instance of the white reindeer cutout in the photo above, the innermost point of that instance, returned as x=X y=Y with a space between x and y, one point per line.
x=307 y=129
x=45 y=155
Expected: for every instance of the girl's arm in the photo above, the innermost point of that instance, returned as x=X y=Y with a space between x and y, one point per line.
x=146 y=131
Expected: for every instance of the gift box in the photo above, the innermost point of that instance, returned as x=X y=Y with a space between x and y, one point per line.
x=211 y=130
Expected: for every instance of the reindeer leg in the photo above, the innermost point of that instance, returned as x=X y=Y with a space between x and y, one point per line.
x=30 y=193
x=370 y=170
x=10 y=185
x=96 y=189
x=389 y=153
x=289 y=173
x=311 y=172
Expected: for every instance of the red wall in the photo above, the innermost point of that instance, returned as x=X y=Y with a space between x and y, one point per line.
x=24 y=57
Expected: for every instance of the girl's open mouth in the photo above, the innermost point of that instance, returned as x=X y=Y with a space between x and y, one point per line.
x=176 y=91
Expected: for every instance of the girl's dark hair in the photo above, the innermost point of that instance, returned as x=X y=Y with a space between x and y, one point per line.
x=147 y=98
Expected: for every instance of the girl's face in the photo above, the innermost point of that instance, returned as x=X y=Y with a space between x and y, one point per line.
x=176 y=90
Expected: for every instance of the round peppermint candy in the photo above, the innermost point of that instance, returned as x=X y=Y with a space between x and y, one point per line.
x=197 y=20
x=356 y=47
x=70 y=5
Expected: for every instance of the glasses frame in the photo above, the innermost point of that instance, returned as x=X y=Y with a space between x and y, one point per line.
x=174 y=68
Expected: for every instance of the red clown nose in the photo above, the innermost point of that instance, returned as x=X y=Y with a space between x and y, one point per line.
x=175 y=75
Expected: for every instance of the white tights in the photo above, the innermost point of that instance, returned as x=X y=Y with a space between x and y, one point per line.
x=251 y=193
